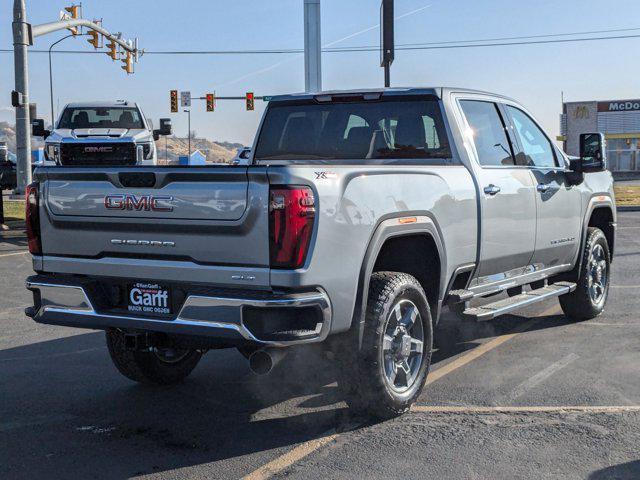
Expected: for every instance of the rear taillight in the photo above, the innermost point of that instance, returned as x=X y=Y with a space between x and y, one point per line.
x=291 y=215
x=32 y=217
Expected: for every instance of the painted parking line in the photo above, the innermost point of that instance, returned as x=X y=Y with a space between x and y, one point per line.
x=291 y=457
x=12 y=254
x=540 y=377
x=526 y=409
x=306 y=448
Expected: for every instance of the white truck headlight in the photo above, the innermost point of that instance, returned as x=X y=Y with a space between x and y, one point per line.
x=148 y=149
x=52 y=152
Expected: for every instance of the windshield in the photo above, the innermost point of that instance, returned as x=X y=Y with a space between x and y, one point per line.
x=391 y=128
x=101 y=117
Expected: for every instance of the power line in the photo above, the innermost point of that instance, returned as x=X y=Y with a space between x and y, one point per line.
x=452 y=44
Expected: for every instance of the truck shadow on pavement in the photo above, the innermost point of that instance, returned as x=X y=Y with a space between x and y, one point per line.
x=623 y=471
x=66 y=409
x=12 y=240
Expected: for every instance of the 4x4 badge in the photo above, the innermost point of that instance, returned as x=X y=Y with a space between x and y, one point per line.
x=325 y=175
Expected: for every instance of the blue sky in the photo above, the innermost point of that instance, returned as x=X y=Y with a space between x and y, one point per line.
x=534 y=74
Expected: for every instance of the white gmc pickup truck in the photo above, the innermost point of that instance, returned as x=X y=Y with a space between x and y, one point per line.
x=101 y=134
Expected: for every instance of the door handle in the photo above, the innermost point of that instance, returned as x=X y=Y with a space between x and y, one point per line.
x=542 y=187
x=491 y=189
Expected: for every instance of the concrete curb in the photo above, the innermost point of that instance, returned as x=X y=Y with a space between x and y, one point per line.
x=628 y=208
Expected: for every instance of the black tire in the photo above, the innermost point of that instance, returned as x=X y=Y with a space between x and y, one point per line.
x=149 y=367
x=363 y=376
x=581 y=304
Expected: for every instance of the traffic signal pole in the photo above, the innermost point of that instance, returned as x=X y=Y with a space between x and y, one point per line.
x=23 y=35
x=23 y=139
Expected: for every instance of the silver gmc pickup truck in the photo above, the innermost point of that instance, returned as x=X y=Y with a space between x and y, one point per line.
x=360 y=216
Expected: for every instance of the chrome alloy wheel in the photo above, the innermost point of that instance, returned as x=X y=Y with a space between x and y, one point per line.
x=403 y=346
x=598 y=275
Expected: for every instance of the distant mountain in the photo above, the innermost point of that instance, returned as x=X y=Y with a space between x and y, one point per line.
x=216 y=152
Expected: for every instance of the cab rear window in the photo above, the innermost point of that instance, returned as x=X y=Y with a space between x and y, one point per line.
x=388 y=128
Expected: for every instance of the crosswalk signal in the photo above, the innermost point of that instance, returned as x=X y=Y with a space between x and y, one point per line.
x=94 y=38
x=211 y=102
x=113 y=49
x=128 y=63
x=249 y=100
x=173 y=95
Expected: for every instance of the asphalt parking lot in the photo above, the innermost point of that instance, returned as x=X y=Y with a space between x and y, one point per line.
x=528 y=396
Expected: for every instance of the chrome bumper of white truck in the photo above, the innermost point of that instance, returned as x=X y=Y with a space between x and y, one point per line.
x=210 y=316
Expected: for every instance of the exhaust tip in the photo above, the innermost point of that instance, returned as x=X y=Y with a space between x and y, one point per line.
x=263 y=361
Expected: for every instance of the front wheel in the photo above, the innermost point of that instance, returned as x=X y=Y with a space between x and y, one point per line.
x=588 y=299
x=163 y=366
x=387 y=374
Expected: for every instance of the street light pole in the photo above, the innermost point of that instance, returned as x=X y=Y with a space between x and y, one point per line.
x=312 y=46
x=53 y=118
x=189 y=133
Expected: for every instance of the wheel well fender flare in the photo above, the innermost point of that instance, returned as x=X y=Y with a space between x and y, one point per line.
x=394 y=227
x=595 y=203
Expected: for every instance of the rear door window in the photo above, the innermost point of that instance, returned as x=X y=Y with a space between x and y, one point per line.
x=489 y=134
x=389 y=128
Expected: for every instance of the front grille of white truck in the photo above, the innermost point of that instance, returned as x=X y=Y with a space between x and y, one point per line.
x=98 y=154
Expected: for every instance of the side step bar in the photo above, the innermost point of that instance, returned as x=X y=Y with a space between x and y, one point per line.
x=492 y=310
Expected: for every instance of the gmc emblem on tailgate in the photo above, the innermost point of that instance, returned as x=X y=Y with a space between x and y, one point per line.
x=147 y=203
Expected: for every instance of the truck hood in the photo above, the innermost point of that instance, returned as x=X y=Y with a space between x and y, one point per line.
x=60 y=135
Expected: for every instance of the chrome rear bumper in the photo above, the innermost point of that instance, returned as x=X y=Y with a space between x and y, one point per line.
x=219 y=317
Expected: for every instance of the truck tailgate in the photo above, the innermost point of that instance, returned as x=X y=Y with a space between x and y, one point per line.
x=206 y=216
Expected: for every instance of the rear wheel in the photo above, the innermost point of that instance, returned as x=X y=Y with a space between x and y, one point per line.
x=386 y=375
x=163 y=366
x=588 y=299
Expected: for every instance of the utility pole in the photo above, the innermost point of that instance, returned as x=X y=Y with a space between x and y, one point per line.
x=23 y=139
x=312 y=47
x=23 y=35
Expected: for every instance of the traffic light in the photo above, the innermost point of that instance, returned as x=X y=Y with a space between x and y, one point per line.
x=74 y=10
x=94 y=38
x=113 y=49
x=211 y=102
x=249 y=100
x=128 y=63
x=174 y=100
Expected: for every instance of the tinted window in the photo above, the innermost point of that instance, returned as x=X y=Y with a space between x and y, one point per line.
x=99 y=117
x=391 y=128
x=536 y=147
x=489 y=134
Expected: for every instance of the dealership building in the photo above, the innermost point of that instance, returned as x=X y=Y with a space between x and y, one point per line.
x=619 y=120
